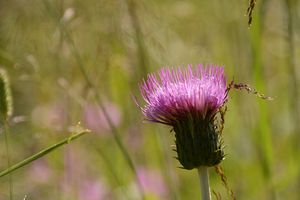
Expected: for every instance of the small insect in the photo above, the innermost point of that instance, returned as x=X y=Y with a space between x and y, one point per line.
x=250 y=11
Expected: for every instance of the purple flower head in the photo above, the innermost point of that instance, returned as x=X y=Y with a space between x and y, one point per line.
x=188 y=100
x=178 y=94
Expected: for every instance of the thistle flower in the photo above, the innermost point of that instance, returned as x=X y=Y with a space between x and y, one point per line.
x=188 y=100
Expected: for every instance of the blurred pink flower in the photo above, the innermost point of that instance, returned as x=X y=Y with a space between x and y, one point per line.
x=93 y=190
x=152 y=182
x=95 y=120
x=52 y=116
x=134 y=139
x=41 y=170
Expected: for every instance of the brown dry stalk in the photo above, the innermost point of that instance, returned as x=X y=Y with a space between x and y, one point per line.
x=241 y=86
x=250 y=11
x=220 y=172
x=217 y=195
x=222 y=114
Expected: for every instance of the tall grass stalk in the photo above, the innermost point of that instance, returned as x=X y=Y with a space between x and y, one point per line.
x=114 y=130
x=7 y=149
x=141 y=50
x=110 y=166
x=262 y=132
x=64 y=31
x=42 y=153
x=294 y=95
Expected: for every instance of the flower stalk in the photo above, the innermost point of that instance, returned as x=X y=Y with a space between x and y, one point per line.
x=204 y=183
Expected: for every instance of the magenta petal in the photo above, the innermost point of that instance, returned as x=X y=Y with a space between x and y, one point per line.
x=178 y=93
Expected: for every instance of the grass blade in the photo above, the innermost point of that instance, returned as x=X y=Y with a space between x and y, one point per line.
x=42 y=153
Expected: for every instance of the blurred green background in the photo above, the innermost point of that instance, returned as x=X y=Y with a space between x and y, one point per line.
x=61 y=54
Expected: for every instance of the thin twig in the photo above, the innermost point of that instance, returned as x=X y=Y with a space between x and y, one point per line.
x=220 y=172
x=243 y=86
x=250 y=10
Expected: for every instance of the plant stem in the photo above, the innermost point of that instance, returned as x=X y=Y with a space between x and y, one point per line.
x=263 y=130
x=142 y=54
x=7 y=147
x=42 y=153
x=99 y=103
x=68 y=37
x=204 y=182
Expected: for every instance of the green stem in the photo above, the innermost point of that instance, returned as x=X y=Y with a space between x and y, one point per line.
x=7 y=148
x=141 y=52
x=65 y=32
x=204 y=183
x=99 y=102
x=294 y=85
x=42 y=153
x=263 y=134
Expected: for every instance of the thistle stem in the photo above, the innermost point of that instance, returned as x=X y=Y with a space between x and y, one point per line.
x=204 y=183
